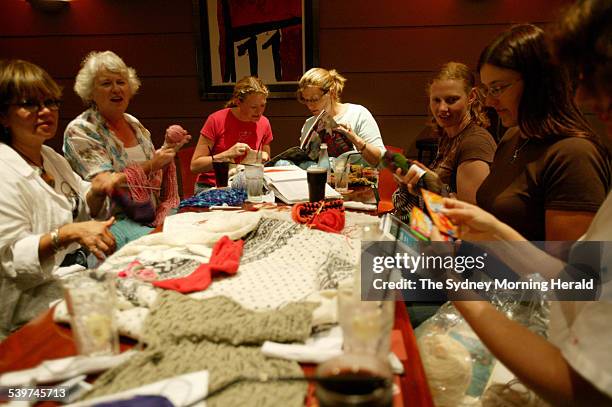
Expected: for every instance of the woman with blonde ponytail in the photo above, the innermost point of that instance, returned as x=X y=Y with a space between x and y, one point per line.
x=465 y=149
x=320 y=89
x=229 y=134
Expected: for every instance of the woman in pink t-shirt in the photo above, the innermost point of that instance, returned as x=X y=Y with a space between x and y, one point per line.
x=230 y=133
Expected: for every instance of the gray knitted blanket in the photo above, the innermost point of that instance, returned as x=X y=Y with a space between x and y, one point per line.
x=184 y=335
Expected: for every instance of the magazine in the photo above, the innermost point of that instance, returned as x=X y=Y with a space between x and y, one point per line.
x=290 y=186
x=324 y=129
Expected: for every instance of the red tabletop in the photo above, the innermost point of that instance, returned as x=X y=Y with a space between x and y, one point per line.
x=43 y=339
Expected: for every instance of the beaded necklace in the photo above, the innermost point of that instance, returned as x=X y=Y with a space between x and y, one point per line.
x=39 y=168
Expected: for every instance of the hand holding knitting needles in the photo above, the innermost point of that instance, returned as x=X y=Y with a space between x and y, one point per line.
x=235 y=151
x=104 y=183
x=162 y=157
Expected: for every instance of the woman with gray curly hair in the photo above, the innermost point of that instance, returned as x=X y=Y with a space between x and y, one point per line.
x=105 y=139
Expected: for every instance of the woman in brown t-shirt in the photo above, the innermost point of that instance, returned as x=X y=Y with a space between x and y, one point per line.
x=550 y=173
x=465 y=149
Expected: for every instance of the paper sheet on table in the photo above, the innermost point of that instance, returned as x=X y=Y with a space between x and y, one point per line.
x=180 y=390
x=55 y=370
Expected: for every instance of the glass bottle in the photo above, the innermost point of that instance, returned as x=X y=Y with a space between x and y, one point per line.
x=427 y=179
x=324 y=160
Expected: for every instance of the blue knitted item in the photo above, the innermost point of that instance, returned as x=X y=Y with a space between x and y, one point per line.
x=125 y=230
x=206 y=199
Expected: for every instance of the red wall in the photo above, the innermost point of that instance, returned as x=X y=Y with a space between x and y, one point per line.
x=387 y=49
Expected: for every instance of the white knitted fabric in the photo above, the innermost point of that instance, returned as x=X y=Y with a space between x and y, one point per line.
x=282 y=262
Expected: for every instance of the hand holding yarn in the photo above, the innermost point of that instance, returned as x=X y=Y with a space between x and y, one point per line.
x=162 y=157
x=238 y=150
x=176 y=137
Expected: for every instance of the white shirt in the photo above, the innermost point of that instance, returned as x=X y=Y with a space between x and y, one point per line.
x=361 y=121
x=583 y=330
x=30 y=208
x=136 y=154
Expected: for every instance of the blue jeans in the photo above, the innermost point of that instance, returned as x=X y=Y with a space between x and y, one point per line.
x=125 y=230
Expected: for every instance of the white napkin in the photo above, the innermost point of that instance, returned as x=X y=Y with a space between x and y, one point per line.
x=317 y=349
x=180 y=390
x=359 y=206
x=55 y=370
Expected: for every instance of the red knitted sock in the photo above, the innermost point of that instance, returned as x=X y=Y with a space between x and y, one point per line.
x=225 y=258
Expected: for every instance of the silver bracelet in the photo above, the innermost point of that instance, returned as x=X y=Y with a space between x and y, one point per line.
x=55 y=243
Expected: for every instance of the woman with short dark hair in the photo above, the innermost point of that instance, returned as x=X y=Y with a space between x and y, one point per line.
x=45 y=208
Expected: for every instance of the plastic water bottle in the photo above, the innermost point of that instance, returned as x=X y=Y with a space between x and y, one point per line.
x=324 y=160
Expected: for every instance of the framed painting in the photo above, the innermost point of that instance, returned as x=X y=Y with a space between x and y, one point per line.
x=275 y=40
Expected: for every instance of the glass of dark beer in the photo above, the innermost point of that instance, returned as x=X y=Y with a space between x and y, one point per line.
x=317 y=178
x=221 y=173
x=355 y=380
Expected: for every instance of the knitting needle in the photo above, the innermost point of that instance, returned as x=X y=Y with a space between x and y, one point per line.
x=139 y=186
x=315 y=215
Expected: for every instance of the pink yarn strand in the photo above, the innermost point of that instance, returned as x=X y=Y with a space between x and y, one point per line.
x=168 y=195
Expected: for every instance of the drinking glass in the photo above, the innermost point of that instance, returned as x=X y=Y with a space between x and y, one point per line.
x=254 y=181
x=354 y=380
x=221 y=169
x=341 y=175
x=366 y=325
x=90 y=299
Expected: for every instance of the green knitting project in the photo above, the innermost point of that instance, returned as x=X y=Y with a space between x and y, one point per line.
x=186 y=335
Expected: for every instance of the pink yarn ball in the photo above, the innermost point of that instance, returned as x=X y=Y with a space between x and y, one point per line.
x=175 y=134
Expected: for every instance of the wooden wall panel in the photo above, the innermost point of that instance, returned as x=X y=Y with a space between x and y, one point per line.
x=401 y=13
x=86 y=17
x=382 y=93
x=387 y=50
x=169 y=54
x=389 y=93
x=403 y=49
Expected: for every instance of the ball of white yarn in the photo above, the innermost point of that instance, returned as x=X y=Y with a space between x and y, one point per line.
x=239 y=180
x=448 y=366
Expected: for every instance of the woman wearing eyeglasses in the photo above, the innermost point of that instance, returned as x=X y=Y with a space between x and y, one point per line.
x=45 y=208
x=106 y=140
x=573 y=366
x=230 y=133
x=320 y=89
x=550 y=173
x=466 y=149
